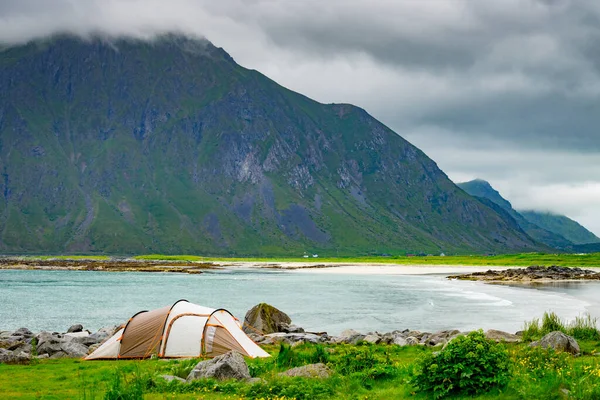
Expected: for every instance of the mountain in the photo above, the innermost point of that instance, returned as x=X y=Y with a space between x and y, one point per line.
x=482 y=189
x=564 y=226
x=125 y=146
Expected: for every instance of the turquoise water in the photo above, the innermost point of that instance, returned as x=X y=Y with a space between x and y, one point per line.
x=54 y=300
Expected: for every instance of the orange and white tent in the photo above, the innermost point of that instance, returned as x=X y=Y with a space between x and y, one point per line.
x=181 y=330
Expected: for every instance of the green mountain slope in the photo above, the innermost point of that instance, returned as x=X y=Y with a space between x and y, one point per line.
x=483 y=189
x=562 y=225
x=169 y=146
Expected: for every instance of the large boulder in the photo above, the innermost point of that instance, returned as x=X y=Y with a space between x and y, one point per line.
x=13 y=357
x=349 y=336
x=372 y=338
x=500 y=336
x=264 y=318
x=399 y=340
x=559 y=342
x=292 y=338
x=441 y=337
x=319 y=370
x=73 y=349
x=103 y=334
x=22 y=334
x=75 y=328
x=48 y=343
x=227 y=366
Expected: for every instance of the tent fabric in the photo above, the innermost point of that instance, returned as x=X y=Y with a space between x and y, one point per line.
x=182 y=330
x=142 y=335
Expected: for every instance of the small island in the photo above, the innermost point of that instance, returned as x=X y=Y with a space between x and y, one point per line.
x=532 y=274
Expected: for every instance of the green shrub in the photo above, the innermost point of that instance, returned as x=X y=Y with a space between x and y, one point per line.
x=551 y=323
x=532 y=330
x=289 y=357
x=468 y=365
x=584 y=328
x=291 y=388
x=132 y=387
x=365 y=364
x=182 y=368
x=120 y=389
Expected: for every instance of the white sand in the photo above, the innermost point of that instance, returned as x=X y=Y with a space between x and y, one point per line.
x=365 y=269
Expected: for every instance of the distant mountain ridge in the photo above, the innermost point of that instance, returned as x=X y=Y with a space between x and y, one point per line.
x=126 y=146
x=565 y=226
x=554 y=230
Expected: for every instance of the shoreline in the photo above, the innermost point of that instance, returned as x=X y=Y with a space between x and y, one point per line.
x=349 y=268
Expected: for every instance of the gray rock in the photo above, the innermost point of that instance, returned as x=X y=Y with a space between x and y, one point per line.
x=264 y=318
x=104 y=333
x=372 y=338
x=319 y=370
x=399 y=340
x=23 y=332
x=230 y=365
x=12 y=345
x=559 y=342
x=170 y=378
x=13 y=357
x=48 y=343
x=412 y=341
x=22 y=357
x=387 y=338
x=43 y=356
x=6 y=356
x=269 y=340
x=75 y=328
x=256 y=337
x=73 y=349
x=416 y=334
x=349 y=336
x=22 y=347
x=290 y=328
x=59 y=354
x=292 y=338
x=93 y=348
x=441 y=337
x=500 y=336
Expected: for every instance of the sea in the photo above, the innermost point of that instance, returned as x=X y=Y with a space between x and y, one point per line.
x=319 y=302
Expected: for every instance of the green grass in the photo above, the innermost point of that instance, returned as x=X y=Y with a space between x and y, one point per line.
x=359 y=372
x=523 y=260
x=73 y=257
x=582 y=328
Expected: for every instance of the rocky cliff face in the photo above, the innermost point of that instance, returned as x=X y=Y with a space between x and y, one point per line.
x=169 y=146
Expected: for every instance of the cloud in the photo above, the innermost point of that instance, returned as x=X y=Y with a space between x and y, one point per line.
x=505 y=90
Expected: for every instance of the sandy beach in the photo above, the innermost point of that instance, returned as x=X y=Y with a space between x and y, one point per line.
x=365 y=269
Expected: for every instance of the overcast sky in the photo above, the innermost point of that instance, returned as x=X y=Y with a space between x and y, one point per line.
x=503 y=90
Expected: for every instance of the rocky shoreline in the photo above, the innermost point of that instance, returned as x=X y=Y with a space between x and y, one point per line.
x=533 y=274
x=22 y=346
x=112 y=265
x=264 y=324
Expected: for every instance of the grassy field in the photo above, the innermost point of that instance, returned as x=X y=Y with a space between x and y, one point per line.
x=363 y=371
x=524 y=260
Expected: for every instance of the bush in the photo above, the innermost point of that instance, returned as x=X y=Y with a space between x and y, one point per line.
x=365 y=364
x=289 y=357
x=132 y=387
x=583 y=328
x=468 y=365
x=551 y=323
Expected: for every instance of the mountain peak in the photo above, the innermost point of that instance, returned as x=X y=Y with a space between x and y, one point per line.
x=128 y=145
x=482 y=188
